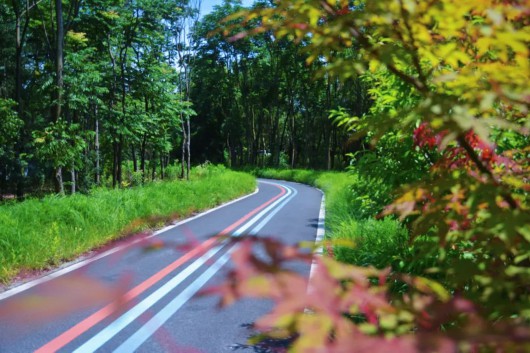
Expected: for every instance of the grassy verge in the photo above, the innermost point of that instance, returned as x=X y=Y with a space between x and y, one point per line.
x=37 y=234
x=351 y=205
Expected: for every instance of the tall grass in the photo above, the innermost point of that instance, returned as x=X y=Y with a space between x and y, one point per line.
x=351 y=207
x=37 y=234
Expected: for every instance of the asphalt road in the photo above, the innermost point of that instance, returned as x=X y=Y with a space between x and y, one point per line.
x=73 y=309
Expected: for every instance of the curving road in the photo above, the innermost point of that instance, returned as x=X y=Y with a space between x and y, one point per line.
x=72 y=310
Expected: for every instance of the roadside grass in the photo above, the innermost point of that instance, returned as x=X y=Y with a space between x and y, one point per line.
x=377 y=243
x=40 y=233
x=351 y=207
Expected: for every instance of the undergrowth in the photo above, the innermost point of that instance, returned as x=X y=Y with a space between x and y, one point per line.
x=38 y=234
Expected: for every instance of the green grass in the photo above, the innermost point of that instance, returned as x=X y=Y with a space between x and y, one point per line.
x=38 y=234
x=351 y=207
x=378 y=243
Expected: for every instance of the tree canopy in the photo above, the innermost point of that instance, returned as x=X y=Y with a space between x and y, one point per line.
x=95 y=85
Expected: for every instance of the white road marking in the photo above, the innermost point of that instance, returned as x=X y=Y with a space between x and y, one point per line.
x=247 y=225
x=125 y=319
x=269 y=217
x=321 y=229
x=148 y=329
x=119 y=324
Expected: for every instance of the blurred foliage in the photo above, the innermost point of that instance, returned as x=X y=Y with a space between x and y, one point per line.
x=450 y=121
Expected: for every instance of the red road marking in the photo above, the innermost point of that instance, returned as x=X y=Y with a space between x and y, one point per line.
x=75 y=331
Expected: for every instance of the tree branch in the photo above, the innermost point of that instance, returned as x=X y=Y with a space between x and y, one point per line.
x=461 y=139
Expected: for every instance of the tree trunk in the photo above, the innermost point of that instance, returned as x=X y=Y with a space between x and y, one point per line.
x=184 y=138
x=18 y=99
x=188 y=142
x=333 y=148
x=19 y=146
x=161 y=167
x=153 y=170
x=293 y=154
x=230 y=160
x=133 y=156
x=72 y=176
x=98 y=172
x=142 y=157
x=111 y=106
x=18 y=68
x=120 y=156
x=59 y=82
x=115 y=164
x=293 y=148
x=329 y=156
x=59 y=184
x=282 y=139
x=123 y=57
x=59 y=60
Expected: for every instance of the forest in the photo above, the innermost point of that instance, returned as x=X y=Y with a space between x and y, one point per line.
x=411 y=116
x=91 y=94
x=114 y=93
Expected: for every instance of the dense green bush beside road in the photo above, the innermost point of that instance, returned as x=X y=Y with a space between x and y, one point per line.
x=37 y=234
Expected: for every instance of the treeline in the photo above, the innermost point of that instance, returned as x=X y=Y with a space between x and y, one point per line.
x=101 y=92
x=92 y=92
x=259 y=101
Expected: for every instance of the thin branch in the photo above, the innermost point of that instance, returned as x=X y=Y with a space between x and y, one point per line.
x=374 y=52
x=26 y=24
x=30 y=7
x=415 y=57
x=461 y=139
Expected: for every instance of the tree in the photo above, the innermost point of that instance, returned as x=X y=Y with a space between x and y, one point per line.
x=101 y=66
x=10 y=126
x=185 y=57
x=62 y=144
x=271 y=106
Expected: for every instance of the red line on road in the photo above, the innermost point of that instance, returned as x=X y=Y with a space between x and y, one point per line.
x=83 y=326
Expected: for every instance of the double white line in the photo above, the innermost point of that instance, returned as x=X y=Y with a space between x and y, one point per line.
x=149 y=328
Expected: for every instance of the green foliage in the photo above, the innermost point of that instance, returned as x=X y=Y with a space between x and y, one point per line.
x=370 y=242
x=394 y=159
x=84 y=84
x=258 y=100
x=10 y=125
x=60 y=143
x=119 y=75
x=453 y=77
x=37 y=234
x=392 y=162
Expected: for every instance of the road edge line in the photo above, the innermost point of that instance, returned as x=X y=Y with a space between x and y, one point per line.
x=321 y=231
